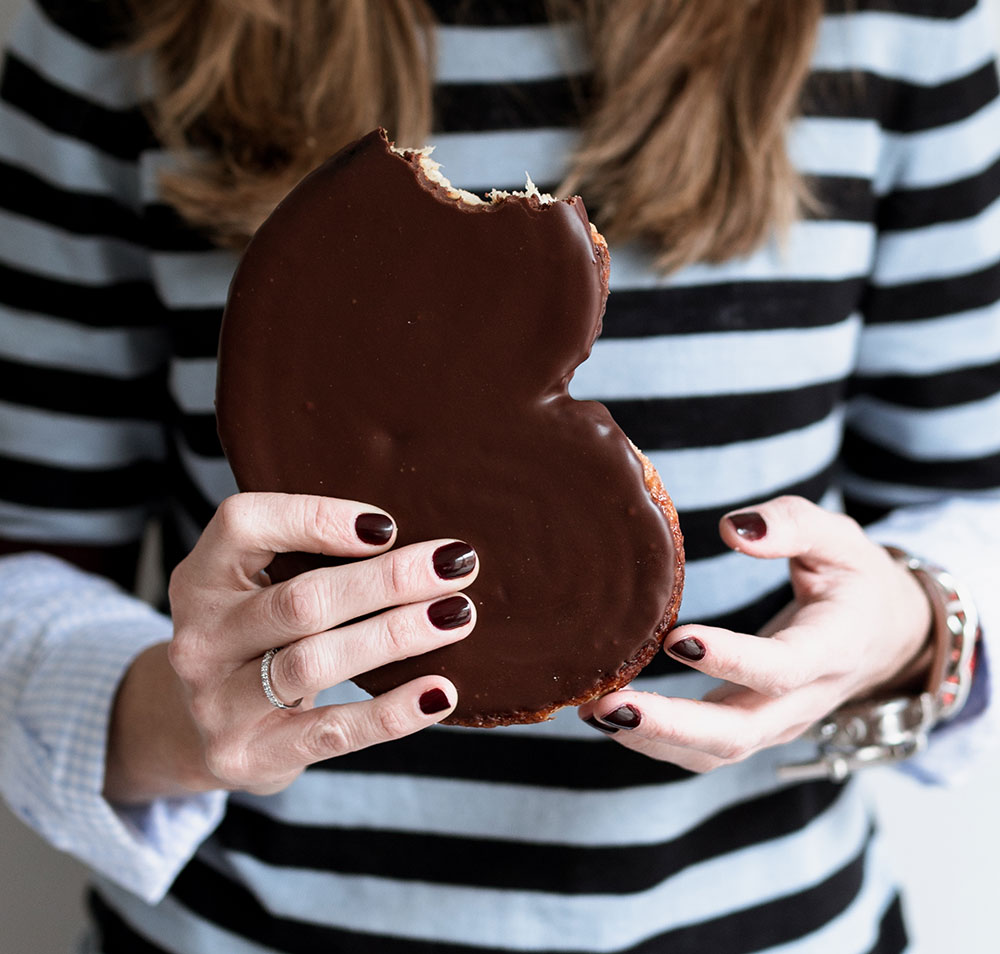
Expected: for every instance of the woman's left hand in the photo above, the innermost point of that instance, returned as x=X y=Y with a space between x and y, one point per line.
x=858 y=624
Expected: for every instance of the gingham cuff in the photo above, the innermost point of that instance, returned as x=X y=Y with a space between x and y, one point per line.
x=67 y=639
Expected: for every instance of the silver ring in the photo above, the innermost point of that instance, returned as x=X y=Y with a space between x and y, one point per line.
x=265 y=681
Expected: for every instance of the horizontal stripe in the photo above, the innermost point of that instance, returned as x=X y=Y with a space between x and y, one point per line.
x=655 y=424
x=120 y=134
x=109 y=78
x=598 y=922
x=949 y=433
x=932 y=298
x=916 y=50
x=97 y=25
x=23 y=193
x=702 y=477
x=37 y=485
x=97 y=306
x=607 y=799
x=932 y=346
x=742 y=362
x=120 y=353
x=212 y=477
x=870 y=925
x=511 y=13
x=729 y=307
x=724 y=583
x=509 y=54
x=920 y=208
x=93 y=528
x=823 y=251
x=904 y=495
x=701 y=527
x=481 y=161
x=499 y=862
x=835 y=146
x=84 y=260
x=939 y=156
x=195 y=331
x=81 y=393
x=877 y=462
x=900 y=107
x=959 y=387
x=64 y=162
x=192 y=384
x=67 y=440
x=193 y=279
x=472 y=107
x=939 y=10
x=938 y=251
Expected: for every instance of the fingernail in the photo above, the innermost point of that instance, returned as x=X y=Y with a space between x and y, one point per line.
x=606 y=729
x=690 y=648
x=749 y=525
x=433 y=701
x=374 y=528
x=624 y=717
x=450 y=613
x=454 y=560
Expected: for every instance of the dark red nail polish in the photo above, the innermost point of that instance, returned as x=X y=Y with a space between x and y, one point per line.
x=374 y=528
x=691 y=649
x=594 y=724
x=624 y=717
x=749 y=525
x=450 y=613
x=454 y=560
x=433 y=701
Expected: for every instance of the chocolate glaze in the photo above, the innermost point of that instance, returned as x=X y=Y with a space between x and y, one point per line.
x=384 y=342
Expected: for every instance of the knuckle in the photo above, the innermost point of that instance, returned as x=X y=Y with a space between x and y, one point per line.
x=297 y=605
x=298 y=669
x=398 y=632
x=228 y=763
x=399 y=575
x=325 y=739
x=322 y=522
x=235 y=516
x=391 y=722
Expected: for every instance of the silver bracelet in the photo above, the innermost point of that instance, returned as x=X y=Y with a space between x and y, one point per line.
x=880 y=732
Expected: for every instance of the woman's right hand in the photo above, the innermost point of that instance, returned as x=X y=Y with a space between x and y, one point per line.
x=192 y=715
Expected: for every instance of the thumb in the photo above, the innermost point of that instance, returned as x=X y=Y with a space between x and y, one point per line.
x=796 y=528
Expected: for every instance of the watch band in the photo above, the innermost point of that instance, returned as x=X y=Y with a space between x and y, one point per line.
x=884 y=731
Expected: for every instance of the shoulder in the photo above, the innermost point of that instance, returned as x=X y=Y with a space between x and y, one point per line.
x=102 y=24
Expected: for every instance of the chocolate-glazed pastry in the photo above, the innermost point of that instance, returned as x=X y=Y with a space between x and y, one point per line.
x=387 y=341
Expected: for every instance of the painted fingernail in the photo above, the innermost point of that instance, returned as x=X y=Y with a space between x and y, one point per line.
x=454 y=560
x=374 y=528
x=433 y=701
x=749 y=525
x=624 y=717
x=594 y=724
x=450 y=613
x=690 y=648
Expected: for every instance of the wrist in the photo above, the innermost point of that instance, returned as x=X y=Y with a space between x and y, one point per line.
x=154 y=748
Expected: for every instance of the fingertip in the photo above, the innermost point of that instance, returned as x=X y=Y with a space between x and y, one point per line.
x=743 y=526
x=434 y=701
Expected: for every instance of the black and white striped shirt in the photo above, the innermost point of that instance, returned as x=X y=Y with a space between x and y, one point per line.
x=857 y=364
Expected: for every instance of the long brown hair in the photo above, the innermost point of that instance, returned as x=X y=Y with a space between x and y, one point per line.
x=683 y=134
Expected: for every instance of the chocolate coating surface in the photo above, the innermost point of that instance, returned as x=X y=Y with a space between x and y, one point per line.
x=386 y=343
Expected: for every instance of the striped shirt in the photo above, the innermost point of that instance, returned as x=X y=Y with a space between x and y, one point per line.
x=857 y=364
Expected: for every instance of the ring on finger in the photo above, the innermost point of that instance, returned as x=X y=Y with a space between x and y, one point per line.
x=265 y=681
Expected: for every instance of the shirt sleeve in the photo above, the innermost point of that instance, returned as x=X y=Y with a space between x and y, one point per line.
x=83 y=351
x=921 y=453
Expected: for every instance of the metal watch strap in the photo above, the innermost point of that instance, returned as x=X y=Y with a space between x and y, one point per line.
x=880 y=732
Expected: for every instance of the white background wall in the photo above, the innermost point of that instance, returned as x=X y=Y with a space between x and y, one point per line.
x=947 y=846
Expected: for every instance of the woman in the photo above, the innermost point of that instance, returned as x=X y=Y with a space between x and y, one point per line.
x=854 y=357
